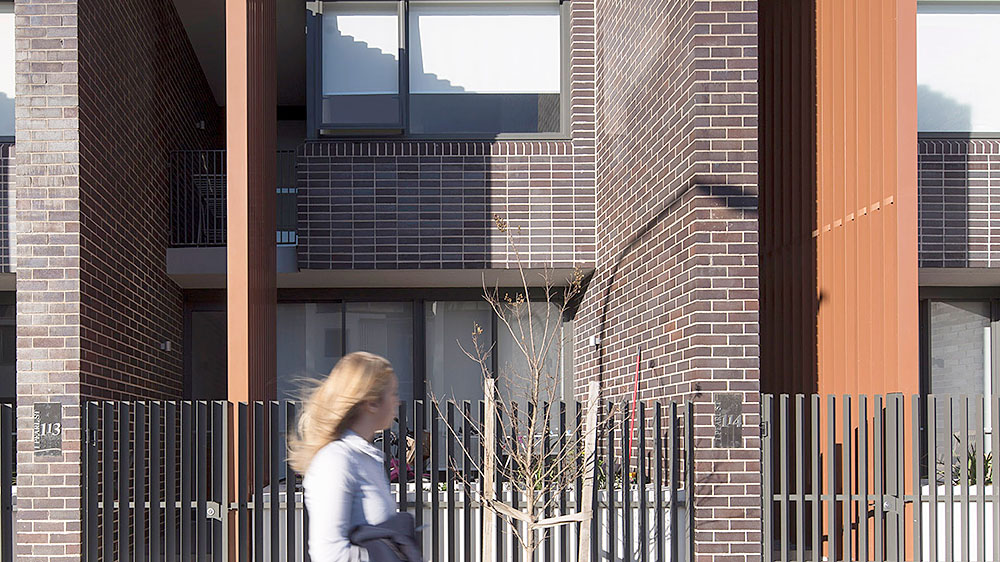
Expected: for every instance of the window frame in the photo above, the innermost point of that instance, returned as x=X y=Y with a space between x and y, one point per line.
x=968 y=4
x=928 y=295
x=213 y=300
x=7 y=6
x=314 y=75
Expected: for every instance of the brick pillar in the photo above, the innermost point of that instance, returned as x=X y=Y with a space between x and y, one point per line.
x=48 y=277
x=677 y=273
x=725 y=246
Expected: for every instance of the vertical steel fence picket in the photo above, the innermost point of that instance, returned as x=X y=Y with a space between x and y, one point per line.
x=881 y=478
x=211 y=481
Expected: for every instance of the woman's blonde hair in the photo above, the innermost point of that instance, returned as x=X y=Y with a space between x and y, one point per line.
x=332 y=406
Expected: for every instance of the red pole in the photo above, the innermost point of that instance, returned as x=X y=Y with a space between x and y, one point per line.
x=635 y=397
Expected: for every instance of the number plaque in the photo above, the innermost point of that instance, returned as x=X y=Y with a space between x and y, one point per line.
x=728 y=421
x=48 y=429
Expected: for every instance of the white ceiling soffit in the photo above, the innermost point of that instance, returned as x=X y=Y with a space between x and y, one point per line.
x=205 y=22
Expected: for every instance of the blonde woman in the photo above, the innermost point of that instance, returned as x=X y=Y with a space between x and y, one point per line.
x=345 y=482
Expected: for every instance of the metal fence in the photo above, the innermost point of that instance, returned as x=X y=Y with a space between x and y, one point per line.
x=198 y=198
x=8 y=484
x=880 y=478
x=193 y=480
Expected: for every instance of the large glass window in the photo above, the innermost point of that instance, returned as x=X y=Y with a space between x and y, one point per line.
x=484 y=67
x=540 y=333
x=360 y=78
x=960 y=357
x=312 y=336
x=386 y=329
x=956 y=81
x=451 y=374
x=310 y=342
x=472 y=67
x=6 y=69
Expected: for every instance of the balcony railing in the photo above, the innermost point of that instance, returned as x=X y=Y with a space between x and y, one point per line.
x=198 y=198
x=6 y=199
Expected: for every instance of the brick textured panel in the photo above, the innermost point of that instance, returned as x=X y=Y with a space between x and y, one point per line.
x=429 y=205
x=398 y=205
x=131 y=116
x=103 y=95
x=677 y=239
x=958 y=190
x=48 y=280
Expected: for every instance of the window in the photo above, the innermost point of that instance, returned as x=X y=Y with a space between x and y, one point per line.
x=309 y=339
x=6 y=69
x=458 y=68
x=960 y=353
x=956 y=84
x=386 y=329
x=451 y=374
x=361 y=65
x=958 y=341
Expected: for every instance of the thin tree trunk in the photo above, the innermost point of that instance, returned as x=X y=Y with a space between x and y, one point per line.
x=589 y=458
x=528 y=545
x=489 y=469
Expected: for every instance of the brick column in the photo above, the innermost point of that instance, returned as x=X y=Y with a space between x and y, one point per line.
x=48 y=278
x=677 y=246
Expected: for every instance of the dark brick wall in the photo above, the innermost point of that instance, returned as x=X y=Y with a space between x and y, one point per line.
x=677 y=235
x=958 y=190
x=414 y=205
x=430 y=205
x=142 y=92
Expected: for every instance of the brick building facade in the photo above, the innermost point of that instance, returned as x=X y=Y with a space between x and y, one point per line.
x=94 y=301
x=958 y=179
x=676 y=276
x=651 y=187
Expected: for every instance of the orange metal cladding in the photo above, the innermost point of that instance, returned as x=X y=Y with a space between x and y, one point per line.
x=866 y=232
x=838 y=196
x=787 y=203
x=838 y=203
x=250 y=253
x=250 y=143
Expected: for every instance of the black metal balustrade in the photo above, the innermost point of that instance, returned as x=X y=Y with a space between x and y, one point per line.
x=198 y=198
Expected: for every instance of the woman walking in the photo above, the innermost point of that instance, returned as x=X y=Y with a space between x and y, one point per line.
x=345 y=482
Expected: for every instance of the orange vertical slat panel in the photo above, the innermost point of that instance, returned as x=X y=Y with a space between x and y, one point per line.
x=250 y=142
x=838 y=196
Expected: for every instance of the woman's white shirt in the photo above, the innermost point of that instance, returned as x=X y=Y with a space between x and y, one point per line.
x=345 y=486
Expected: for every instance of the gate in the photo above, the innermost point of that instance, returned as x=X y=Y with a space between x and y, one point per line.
x=173 y=481
x=883 y=478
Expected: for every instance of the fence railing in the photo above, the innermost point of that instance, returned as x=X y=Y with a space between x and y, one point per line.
x=880 y=478
x=8 y=484
x=7 y=193
x=198 y=198
x=194 y=480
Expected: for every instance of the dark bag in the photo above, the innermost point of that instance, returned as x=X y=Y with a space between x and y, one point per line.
x=392 y=541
